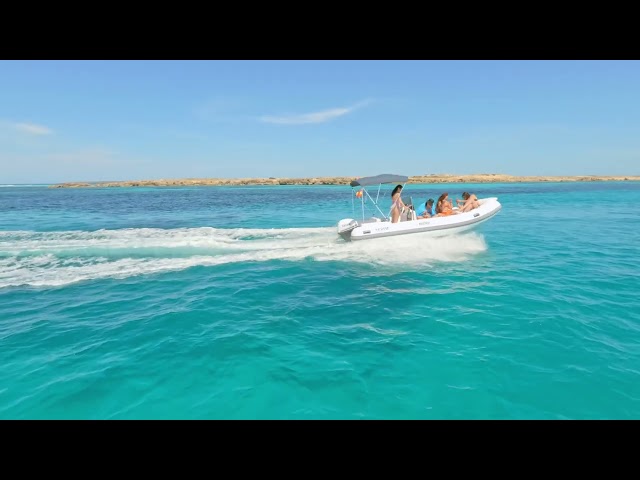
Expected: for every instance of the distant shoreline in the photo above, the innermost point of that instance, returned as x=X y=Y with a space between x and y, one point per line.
x=435 y=178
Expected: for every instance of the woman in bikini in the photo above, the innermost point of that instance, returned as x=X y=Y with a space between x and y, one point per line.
x=444 y=207
x=397 y=205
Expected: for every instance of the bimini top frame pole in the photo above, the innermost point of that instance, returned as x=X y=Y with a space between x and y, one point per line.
x=374 y=203
x=377 y=180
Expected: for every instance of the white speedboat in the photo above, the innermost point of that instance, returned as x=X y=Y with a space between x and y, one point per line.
x=380 y=225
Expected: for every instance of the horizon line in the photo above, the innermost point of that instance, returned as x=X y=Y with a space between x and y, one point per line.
x=464 y=176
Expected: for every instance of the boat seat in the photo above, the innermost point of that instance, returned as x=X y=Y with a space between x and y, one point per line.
x=408 y=215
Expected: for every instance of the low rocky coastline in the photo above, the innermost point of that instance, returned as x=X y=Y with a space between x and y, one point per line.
x=435 y=178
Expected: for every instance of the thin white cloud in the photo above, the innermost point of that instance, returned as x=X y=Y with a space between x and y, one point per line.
x=314 y=117
x=33 y=129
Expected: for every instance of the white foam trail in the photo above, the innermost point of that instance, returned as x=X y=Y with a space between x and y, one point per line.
x=62 y=258
x=30 y=243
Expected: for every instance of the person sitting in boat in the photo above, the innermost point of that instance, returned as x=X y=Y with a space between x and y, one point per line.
x=444 y=206
x=469 y=202
x=426 y=210
x=397 y=205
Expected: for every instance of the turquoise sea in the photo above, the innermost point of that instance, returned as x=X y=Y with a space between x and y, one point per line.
x=242 y=303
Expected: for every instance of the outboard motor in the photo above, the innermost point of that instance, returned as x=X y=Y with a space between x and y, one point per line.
x=345 y=227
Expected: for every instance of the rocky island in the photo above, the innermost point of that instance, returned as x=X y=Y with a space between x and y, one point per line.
x=433 y=178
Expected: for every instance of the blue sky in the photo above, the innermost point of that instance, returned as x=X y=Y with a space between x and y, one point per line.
x=123 y=120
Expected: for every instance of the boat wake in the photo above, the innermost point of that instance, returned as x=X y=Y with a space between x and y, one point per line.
x=60 y=258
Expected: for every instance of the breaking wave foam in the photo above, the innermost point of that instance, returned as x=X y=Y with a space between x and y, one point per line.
x=61 y=258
